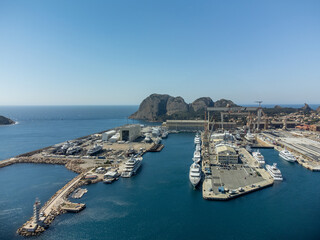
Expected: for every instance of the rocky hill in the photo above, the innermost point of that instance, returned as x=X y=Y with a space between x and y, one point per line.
x=5 y=121
x=306 y=108
x=160 y=107
x=225 y=103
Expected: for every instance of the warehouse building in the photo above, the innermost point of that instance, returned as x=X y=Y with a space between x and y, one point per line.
x=130 y=132
x=226 y=154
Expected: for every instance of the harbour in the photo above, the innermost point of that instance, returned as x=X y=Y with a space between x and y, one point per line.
x=93 y=159
x=126 y=197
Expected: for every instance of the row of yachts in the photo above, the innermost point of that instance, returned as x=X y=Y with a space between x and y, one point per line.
x=195 y=168
x=273 y=169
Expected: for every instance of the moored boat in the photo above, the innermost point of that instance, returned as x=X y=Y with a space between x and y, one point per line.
x=131 y=167
x=274 y=172
x=259 y=157
x=195 y=174
x=286 y=155
x=196 y=156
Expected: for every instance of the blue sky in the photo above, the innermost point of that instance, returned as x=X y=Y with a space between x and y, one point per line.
x=118 y=52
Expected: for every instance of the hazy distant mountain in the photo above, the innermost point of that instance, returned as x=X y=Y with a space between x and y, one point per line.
x=5 y=121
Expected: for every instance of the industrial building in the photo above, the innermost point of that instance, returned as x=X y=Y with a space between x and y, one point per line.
x=226 y=154
x=195 y=125
x=107 y=135
x=130 y=132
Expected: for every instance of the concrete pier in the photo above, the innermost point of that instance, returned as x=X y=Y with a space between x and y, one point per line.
x=228 y=181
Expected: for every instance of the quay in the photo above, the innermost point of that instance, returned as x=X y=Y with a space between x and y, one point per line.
x=91 y=156
x=306 y=150
x=230 y=181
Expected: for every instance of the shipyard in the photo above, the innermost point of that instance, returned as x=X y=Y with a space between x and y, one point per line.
x=101 y=157
x=226 y=163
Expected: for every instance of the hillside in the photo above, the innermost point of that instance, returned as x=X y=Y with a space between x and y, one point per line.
x=161 y=107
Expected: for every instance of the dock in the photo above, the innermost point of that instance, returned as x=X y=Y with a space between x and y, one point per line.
x=156 y=148
x=78 y=193
x=91 y=167
x=229 y=181
x=306 y=151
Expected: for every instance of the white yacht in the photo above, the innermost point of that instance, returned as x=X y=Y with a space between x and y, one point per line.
x=259 y=157
x=195 y=174
x=286 y=155
x=197 y=139
x=110 y=176
x=94 y=150
x=131 y=167
x=73 y=150
x=164 y=134
x=198 y=147
x=274 y=172
x=196 y=156
x=249 y=136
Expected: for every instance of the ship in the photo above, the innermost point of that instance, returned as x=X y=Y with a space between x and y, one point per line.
x=259 y=157
x=286 y=155
x=164 y=134
x=197 y=139
x=274 y=172
x=249 y=136
x=110 y=176
x=94 y=150
x=198 y=147
x=195 y=174
x=196 y=157
x=73 y=150
x=131 y=167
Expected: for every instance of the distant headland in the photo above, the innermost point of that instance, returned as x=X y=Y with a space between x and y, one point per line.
x=162 y=107
x=6 y=121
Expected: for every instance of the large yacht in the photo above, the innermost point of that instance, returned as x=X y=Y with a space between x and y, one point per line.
x=259 y=157
x=196 y=156
x=249 y=136
x=274 y=172
x=94 y=150
x=198 y=147
x=286 y=155
x=110 y=176
x=131 y=167
x=197 y=139
x=195 y=174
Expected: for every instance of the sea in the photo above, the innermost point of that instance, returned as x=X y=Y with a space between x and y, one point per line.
x=157 y=203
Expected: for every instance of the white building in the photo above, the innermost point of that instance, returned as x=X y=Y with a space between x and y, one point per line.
x=130 y=132
x=107 y=135
x=226 y=154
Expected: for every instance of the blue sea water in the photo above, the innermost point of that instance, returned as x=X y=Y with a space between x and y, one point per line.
x=159 y=202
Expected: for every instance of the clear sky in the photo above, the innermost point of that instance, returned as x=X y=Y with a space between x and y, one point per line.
x=85 y=52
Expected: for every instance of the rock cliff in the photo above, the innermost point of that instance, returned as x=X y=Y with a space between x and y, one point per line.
x=5 y=121
x=202 y=104
x=176 y=105
x=224 y=103
x=160 y=107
